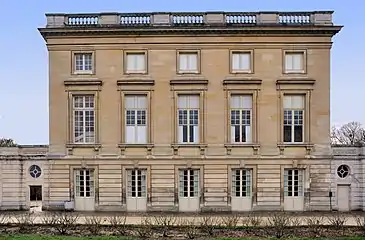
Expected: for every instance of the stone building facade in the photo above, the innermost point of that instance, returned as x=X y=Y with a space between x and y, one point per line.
x=189 y=111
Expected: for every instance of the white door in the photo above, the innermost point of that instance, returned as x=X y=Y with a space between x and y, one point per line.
x=85 y=190
x=241 y=190
x=293 y=190
x=343 y=198
x=136 y=190
x=189 y=190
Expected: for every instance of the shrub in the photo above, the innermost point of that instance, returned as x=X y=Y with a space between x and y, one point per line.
x=65 y=221
x=208 y=224
x=144 y=230
x=165 y=223
x=24 y=221
x=279 y=223
x=231 y=221
x=118 y=224
x=94 y=224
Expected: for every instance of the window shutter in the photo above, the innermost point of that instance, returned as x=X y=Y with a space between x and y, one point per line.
x=141 y=134
x=183 y=62
x=196 y=134
x=294 y=102
x=297 y=61
x=140 y=62
x=235 y=61
x=245 y=61
x=246 y=102
x=288 y=61
x=192 y=62
x=130 y=62
x=180 y=134
x=233 y=134
x=193 y=101
x=130 y=132
x=248 y=134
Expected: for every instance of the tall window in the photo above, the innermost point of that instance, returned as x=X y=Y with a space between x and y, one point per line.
x=188 y=116
x=293 y=118
x=241 y=62
x=136 y=119
x=294 y=62
x=188 y=62
x=136 y=183
x=136 y=63
x=83 y=62
x=84 y=119
x=241 y=111
x=241 y=182
x=293 y=182
x=189 y=183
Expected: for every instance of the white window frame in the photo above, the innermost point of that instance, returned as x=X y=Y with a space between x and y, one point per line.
x=244 y=182
x=86 y=60
x=192 y=190
x=192 y=123
x=136 y=119
x=291 y=60
x=188 y=62
x=294 y=116
x=293 y=178
x=82 y=189
x=132 y=62
x=244 y=123
x=241 y=62
x=87 y=108
x=136 y=187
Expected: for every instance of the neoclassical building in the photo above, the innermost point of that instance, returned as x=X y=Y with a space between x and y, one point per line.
x=213 y=111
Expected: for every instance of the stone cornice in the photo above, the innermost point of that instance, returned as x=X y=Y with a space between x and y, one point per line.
x=309 y=30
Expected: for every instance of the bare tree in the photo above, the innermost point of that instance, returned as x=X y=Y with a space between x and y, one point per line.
x=7 y=142
x=351 y=133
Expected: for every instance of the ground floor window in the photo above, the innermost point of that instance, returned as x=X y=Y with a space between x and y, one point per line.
x=35 y=193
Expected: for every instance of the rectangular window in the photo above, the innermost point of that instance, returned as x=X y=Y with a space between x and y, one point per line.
x=83 y=62
x=293 y=124
x=241 y=182
x=241 y=111
x=241 y=62
x=189 y=183
x=136 y=63
x=135 y=119
x=35 y=193
x=188 y=118
x=136 y=183
x=84 y=119
x=85 y=183
x=188 y=62
x=294 y=62
x=293 y=182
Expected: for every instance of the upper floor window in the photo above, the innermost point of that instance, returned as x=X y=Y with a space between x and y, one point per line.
x=136 y=62
x=188 y=62
x=241 y=111
x=294 y=62
x=293 y=118
x=84 y=119
x=136 y=119
x=188 y=118
x=83 y=62
x=241 y=62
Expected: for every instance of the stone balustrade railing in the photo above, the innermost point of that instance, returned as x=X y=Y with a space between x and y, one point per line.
x=189 y=19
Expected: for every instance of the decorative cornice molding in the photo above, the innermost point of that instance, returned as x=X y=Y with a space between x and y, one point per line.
x=133 y=31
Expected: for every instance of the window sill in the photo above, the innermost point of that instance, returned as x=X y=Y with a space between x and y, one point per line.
x=285 y=145
x=135 y=145
x=241 y=72
x=241 y=145
x=188 y=145
x=295 y=72
x=83 y=73
x=193 y=72
x=135 y=73
x=71 y=146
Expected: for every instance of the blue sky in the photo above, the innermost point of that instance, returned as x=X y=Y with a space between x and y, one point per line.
x=24 y=69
